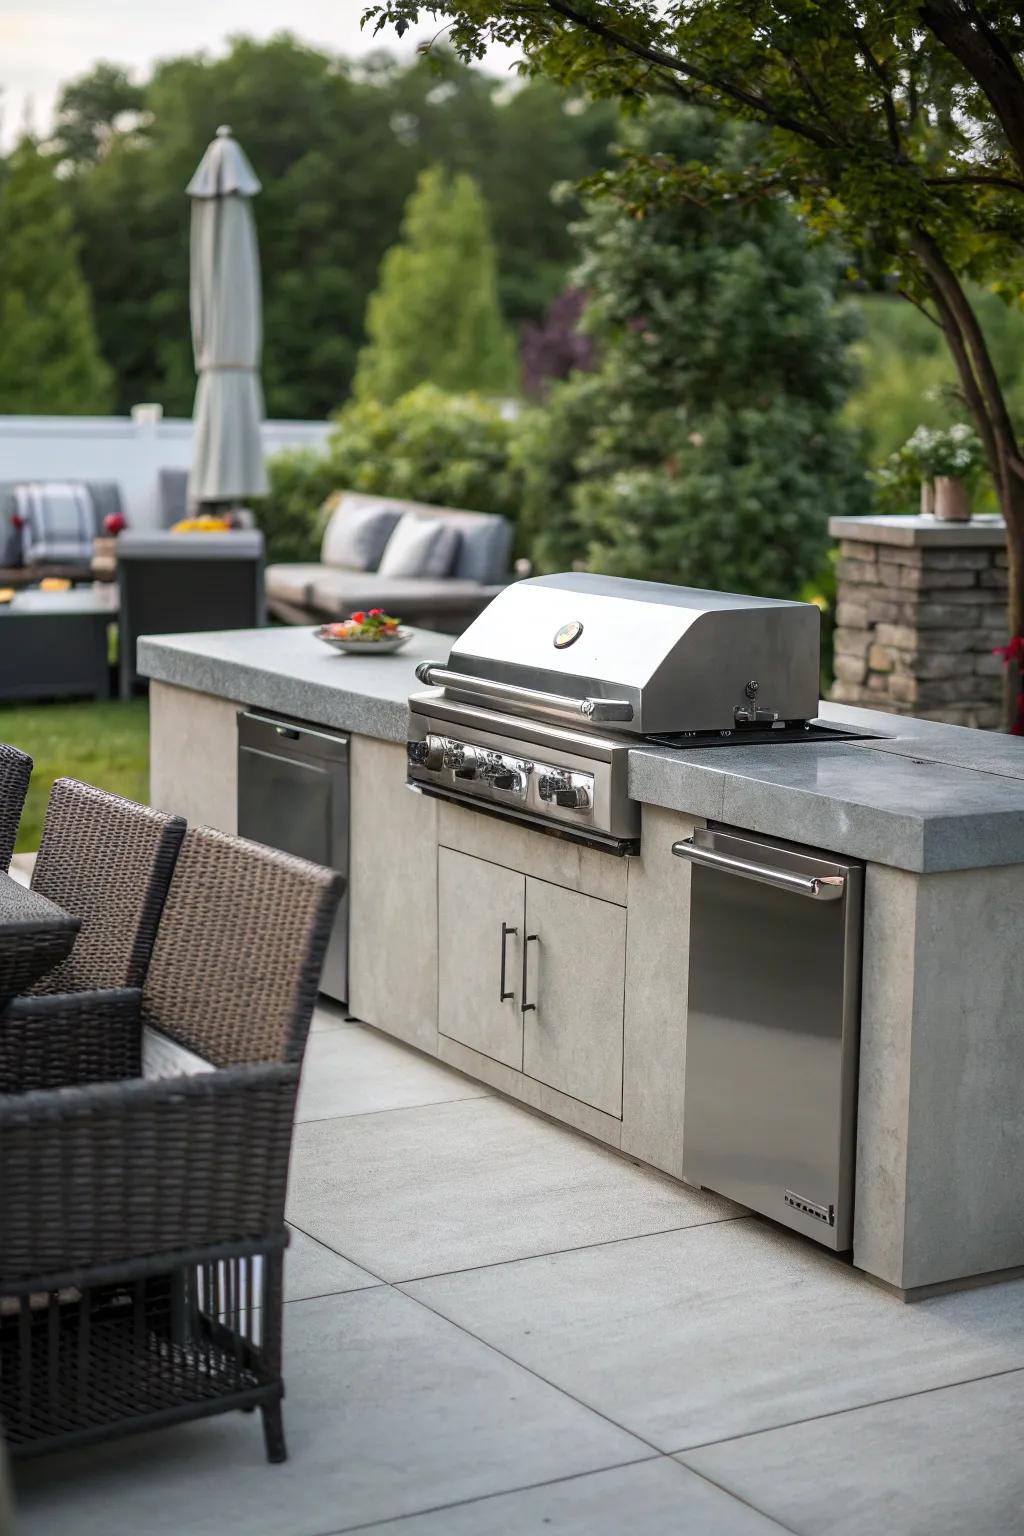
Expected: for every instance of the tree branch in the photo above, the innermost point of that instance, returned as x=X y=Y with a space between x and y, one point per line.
x=986 y=58
x=970 y=179
x=888 y=105
x=753 y=102
x=919 y=306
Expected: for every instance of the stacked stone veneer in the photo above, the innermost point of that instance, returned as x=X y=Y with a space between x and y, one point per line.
x=920 y=606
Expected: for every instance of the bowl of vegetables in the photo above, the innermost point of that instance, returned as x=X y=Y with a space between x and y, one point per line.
x=374 y=632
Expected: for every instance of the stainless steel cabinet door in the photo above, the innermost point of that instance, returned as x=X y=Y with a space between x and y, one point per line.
x=574 y=978
x=480 y=928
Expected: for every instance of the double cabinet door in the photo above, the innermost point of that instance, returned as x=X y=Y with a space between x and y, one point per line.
x=532 y=975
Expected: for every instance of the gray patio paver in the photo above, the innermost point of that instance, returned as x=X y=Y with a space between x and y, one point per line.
x=310 y=1270
x=945 y=1463
x=694 y=1336
x=419 y=1191
x=351 y=1069
x=644 y=1499
x=407 y=1422
x=390 y=1410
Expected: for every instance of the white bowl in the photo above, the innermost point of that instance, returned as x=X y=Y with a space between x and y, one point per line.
x=365 y=647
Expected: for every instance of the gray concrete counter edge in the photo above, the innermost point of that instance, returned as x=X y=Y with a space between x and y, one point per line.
x=924 y=797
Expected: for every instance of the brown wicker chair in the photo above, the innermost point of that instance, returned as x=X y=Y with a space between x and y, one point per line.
x=107 y=861
x=15 y=772
x=142 y=1226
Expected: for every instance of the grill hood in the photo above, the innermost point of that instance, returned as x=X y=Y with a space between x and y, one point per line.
x=683 y=659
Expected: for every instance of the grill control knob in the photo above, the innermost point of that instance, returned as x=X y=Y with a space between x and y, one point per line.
x=574 y=799
x=551 y=785
x=463 y=760
x=426 y=754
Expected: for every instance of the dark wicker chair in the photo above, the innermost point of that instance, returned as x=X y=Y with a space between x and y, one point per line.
x=107 y=861
x=142 y=1227
x=15 y=772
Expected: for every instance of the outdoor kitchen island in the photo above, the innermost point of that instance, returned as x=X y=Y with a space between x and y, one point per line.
x=935 y=812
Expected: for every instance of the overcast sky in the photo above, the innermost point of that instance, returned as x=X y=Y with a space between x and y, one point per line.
x=45 y=42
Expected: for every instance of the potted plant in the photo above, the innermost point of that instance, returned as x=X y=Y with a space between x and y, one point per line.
x=949 y=459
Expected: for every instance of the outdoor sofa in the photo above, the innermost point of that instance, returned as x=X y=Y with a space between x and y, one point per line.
x=429 y=565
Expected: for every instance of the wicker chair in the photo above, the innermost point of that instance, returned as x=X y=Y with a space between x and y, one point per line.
x=15 y=772
x=107 y=861
x=142 y=1226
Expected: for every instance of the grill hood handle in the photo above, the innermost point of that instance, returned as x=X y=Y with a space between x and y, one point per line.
x=552 y=705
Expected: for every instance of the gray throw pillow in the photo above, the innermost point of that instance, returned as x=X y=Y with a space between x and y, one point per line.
x=356 y=535
x=420 y=546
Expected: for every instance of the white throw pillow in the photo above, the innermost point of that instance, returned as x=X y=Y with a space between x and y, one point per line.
x=419 y=546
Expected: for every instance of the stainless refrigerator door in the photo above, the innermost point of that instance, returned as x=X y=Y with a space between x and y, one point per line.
x=772 y=1029
x=293 y=794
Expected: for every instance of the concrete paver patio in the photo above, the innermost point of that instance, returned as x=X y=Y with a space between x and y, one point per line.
x=495 y=1327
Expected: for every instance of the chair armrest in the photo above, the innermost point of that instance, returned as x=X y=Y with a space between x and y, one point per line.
x=70 y=1038
x=112 y=1174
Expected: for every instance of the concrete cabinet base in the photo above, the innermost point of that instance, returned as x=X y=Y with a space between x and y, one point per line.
x=531 y=975
x=939 y=1181
x=392 y=966
x=940 y=1127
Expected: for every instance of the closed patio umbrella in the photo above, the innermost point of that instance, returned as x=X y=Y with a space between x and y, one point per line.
x=227 y=338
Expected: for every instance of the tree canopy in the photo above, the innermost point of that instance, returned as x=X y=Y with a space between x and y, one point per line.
x=896 y=125
x=338 y=147
x=51 y=360
x=435 y=318
x=705 y=448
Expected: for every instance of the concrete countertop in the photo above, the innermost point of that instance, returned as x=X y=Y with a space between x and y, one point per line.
x=924 y=797
x=287 y=669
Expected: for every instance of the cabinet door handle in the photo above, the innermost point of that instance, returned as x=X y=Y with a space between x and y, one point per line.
x=503 y=995
x=524 y=1006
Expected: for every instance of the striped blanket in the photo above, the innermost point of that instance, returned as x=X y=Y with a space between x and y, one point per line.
x=59 y=522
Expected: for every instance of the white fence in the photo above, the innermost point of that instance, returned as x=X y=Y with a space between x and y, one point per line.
x=122 y=448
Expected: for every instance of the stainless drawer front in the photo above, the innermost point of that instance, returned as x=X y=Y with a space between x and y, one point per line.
x=772 y=1027
x=293 y=795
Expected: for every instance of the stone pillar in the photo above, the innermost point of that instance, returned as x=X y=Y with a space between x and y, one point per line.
x=920 y=606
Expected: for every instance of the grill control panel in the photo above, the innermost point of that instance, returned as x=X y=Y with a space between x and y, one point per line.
x=503 y=777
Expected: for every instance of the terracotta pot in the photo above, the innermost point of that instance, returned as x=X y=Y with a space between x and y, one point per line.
x=952 y=500
x=927 y=498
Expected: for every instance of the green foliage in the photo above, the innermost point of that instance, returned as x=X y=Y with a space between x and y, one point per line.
x=338 y=148
x=51 y=362
x=434 y=316
x=449 y=450
x=905 y=373
x=706 y=448
x=299 y=481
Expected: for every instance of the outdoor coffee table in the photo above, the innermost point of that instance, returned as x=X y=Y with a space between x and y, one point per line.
x=55 y=644
x=35 y=935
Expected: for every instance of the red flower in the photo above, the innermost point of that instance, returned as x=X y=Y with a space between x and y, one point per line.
x=376 y=613
x=1013 y=653
x=17 y=521
x=114 y=523
x=359 y=618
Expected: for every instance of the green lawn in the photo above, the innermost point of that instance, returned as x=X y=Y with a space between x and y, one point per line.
x=104 y=743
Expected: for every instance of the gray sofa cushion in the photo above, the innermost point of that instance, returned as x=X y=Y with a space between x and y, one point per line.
x=485 y=544
x=357 y=532
x=340 y=593
x=60 y=522
x=106 y=498
x=172 y=496
x=293 y=583
x=420 y=546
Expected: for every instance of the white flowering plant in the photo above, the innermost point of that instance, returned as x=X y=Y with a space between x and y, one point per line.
x=955 y=451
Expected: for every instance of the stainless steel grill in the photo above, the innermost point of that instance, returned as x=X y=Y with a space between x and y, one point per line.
x=541 y=698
